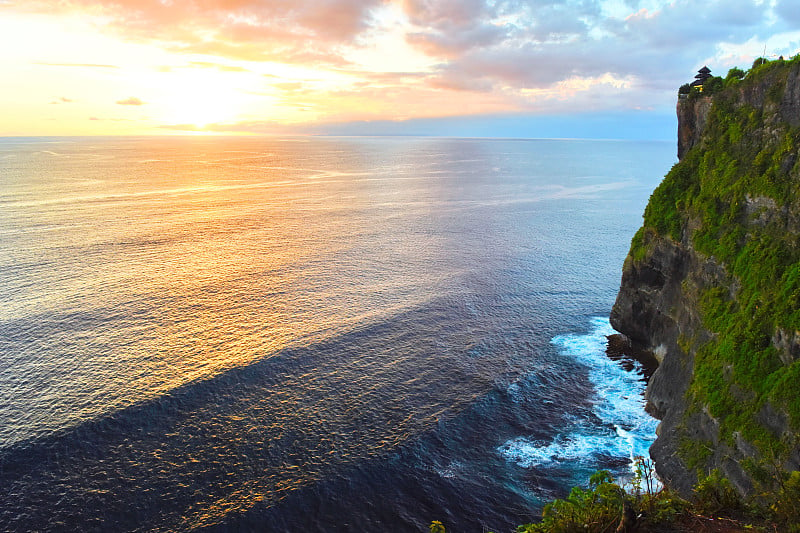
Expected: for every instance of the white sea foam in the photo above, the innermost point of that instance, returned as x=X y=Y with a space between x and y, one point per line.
x=575 y=447
x=622 y=430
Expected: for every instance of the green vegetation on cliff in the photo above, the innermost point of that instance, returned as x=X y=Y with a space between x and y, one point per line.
x=735 y=199
x=607 y=506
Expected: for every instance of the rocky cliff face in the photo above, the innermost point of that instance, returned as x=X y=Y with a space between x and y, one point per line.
x=692 y=117
x=712 y=286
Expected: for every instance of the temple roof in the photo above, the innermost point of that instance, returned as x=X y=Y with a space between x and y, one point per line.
x=702 y=75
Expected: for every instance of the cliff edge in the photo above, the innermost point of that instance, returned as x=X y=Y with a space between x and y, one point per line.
x=711 y=285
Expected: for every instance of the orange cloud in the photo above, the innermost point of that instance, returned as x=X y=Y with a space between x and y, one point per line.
x=130 y=101
x=285 y=30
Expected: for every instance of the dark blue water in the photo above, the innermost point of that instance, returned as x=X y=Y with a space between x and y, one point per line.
x=311 y=334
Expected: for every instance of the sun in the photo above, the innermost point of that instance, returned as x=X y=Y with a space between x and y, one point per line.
x=200 y=98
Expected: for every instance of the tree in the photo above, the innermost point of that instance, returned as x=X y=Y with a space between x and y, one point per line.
x=735 y=73
x=713 y=85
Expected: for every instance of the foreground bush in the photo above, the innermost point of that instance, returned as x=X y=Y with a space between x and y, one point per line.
x=608 y=507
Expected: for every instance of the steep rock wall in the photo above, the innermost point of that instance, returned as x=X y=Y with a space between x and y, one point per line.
x=692 y=117
x=711 y=286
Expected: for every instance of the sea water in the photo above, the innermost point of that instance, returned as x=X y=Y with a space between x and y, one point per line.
x=307 y=334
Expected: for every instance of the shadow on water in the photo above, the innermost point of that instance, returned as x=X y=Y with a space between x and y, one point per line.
x=362 y=427
x=450 y=473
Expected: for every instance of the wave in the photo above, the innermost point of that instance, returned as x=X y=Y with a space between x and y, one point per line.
x=617 y=429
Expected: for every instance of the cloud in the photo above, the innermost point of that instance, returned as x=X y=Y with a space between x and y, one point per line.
x=62 y=100
x=262 y=127
x=130 y=101
x=289 y=85
x=80 y=65
x=285 y=30
x=217 y=66
x=553 y=42
x=788 y=11
x=98 y=119
x=222 y=67
x=692 y=25
x=517 y=42
x=458 y=56
x=449 y=27
x=447 y=42
x=626 y=125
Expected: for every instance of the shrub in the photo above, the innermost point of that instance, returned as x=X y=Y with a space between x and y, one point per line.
x=786 y=508
x=735 y=74
x=713 y=85
x=437 y=527
x=595 y=510
x=715 y=494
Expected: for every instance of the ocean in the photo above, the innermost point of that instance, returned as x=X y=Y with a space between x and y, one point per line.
x=312 y=334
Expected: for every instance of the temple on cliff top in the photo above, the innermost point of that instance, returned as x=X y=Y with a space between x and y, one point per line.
x=702 y=75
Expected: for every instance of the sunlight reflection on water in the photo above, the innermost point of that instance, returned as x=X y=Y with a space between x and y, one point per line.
x=193 y=328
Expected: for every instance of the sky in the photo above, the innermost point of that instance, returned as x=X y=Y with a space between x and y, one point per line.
x=471 y=68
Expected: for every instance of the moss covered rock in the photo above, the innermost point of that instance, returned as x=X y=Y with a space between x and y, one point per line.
x=712 y=286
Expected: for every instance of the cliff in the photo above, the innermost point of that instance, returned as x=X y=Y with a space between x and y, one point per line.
x=711 y=286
